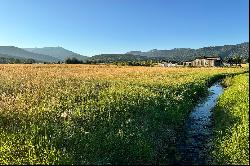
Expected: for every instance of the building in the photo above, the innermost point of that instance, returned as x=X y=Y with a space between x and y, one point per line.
x=204 y=62
x=187 y=63
x=168 y=64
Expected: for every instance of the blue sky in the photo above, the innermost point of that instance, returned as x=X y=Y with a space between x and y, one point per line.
x=92 y=27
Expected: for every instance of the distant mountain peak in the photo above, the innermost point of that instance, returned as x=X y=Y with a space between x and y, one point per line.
x=57 y=52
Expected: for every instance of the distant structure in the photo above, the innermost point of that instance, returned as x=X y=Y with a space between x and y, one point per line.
x=204 y=62
x=168 y=64
x=227 y=64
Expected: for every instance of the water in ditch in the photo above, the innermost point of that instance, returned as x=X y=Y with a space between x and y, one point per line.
x=195 y=138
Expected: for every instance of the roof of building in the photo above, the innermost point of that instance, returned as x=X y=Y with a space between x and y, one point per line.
x=209 y=57
x=205 y=57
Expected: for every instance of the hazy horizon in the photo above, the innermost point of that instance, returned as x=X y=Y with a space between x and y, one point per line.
x=98 y=27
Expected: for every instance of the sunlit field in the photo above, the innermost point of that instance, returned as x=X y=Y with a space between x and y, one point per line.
x=96 y=114
x=232 y=123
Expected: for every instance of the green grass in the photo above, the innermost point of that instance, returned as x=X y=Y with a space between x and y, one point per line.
x=231 y=122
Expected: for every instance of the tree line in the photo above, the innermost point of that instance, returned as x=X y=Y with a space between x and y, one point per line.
x=4 y=60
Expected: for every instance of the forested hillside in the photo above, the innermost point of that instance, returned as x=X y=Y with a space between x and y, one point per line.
x=109 y=58
x=183 y=54
x=7 y=59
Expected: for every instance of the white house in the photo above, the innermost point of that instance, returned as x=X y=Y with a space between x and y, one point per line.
x=168 y=64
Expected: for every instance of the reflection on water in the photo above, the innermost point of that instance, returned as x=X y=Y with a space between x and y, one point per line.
x=194 y=140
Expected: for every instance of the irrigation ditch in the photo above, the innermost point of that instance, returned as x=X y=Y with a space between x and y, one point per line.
x=194 y=139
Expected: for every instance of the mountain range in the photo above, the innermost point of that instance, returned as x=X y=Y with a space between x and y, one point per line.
x=185 y=54
x=177 y=54
x=46 y=54
x=23 y=54
x=55 y=54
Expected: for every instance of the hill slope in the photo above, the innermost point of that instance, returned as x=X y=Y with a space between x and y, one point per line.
x=56 y=52
x=183 y=54
x=7 y=59
x=21 y=53
x=116 y=58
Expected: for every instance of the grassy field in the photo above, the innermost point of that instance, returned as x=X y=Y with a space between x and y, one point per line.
x=231 y=120
x=87 y=114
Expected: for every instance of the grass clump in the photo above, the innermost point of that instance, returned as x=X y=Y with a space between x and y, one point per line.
x=231 y=123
